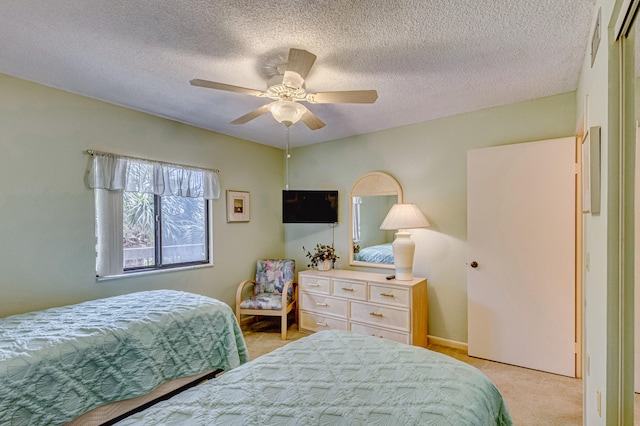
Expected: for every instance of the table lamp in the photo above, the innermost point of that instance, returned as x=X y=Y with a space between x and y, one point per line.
x=402 y=217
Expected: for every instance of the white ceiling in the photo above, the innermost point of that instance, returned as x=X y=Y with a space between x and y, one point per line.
x=426 y=58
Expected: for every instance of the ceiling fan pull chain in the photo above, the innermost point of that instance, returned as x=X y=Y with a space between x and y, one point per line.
x=286 y=158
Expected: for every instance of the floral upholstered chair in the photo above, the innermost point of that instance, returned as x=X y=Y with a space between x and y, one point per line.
x=274 y=292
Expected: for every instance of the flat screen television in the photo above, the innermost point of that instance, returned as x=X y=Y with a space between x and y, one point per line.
x=309 y=206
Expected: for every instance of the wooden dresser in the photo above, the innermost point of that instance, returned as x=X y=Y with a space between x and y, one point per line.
x=363 y=302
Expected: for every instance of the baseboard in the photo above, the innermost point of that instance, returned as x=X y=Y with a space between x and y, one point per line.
x=448 y=343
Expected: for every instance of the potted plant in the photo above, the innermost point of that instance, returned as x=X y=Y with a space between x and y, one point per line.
x=321 y=257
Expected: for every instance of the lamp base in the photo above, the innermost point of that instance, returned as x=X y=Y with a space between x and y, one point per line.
x=403 y=276
x=403 y=250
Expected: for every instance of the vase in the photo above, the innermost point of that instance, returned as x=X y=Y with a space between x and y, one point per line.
x=324 y=265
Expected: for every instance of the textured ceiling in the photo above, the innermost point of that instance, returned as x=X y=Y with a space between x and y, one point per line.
x=426 y=58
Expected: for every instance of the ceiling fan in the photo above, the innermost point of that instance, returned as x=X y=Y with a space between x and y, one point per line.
x=287 y=89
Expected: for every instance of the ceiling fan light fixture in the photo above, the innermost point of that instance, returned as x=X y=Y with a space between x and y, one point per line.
x=287 y=112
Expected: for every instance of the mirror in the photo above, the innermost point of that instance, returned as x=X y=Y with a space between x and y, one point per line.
x=371 y=199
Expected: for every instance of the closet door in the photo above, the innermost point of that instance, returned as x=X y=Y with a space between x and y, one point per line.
x=521 y=265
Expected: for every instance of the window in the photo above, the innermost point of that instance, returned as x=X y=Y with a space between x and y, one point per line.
x=161 y=232
x=150 y=215
x=355 y=214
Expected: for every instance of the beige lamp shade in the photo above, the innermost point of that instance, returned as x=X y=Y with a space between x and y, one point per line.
x=401 y=217
x=404 y=216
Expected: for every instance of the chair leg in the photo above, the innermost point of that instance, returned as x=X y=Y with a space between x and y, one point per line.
x=284 y=324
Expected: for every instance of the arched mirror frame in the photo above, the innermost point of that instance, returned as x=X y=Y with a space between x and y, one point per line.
x=371 y=184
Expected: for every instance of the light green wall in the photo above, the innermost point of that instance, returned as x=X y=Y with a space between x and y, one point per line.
x=46 y=211
x=429 y=160
x=592 y=102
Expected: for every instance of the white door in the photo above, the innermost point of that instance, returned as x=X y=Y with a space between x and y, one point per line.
x=521 y=239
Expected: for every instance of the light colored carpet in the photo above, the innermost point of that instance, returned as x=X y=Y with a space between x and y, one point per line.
x=533 y=397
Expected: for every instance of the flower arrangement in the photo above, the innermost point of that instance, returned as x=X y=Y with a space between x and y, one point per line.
x=320 y=254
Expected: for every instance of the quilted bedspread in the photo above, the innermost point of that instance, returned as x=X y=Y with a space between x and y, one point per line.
x=338 y=378
x=58 y=363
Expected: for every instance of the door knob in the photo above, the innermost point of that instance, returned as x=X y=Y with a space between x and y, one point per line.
x=474 y=264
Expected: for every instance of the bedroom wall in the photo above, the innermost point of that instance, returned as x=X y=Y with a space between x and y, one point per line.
x=47 y=214
x=597 y=99
x=429 y=160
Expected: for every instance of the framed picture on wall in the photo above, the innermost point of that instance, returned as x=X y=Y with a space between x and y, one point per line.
x=237 y=206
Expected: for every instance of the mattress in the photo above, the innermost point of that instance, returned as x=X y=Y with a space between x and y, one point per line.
x=59 y=363
x=338 y=378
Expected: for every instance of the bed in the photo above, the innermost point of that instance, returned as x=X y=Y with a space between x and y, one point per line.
x=381 y=253
x=59 y=363
x=338 y=377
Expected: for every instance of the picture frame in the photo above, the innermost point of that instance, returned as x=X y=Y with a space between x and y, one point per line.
x=238 y=206
x=591 y=171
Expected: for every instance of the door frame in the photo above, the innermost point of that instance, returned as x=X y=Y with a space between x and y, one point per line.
x=572 y=324
x=620 y=204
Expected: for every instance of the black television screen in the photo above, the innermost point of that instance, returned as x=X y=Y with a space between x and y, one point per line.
x=310 y=206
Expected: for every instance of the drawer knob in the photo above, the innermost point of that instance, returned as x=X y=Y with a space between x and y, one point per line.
x=322 y=324
x=314 y=285
x=321 y=304
x=347 y=289
x=375 y=314
x=387 y=294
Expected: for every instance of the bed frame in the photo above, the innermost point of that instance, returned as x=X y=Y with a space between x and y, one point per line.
x=112 y=413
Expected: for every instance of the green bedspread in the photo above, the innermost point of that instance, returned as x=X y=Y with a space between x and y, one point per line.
x=58 y=363
x=338 y=378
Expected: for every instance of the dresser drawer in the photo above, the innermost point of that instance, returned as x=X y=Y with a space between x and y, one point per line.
x=323 y=304
x=381 y=315
x=315 y=284
x=389 y=295
x=317 y=322
x=369 y=330
x=349 y=289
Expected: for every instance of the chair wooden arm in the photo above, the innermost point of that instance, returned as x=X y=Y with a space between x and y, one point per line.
x=241 y=288
x=285 y=292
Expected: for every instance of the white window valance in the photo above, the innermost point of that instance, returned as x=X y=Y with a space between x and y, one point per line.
x=115 y=172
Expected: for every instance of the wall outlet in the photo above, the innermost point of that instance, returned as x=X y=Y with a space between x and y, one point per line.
x=599 y=402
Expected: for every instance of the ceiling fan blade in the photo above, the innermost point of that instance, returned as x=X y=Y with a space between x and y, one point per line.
x=312 y=121
x=299 y=64
x=253 y=114
x=227 y=87
x=344 y=97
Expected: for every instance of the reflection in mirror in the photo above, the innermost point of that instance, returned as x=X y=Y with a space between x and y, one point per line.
x=371 y=199
x=371 y=244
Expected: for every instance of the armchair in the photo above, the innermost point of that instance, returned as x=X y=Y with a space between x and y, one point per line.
x=274 y=292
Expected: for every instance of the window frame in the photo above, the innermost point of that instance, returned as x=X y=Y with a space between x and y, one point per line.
x=159 y=265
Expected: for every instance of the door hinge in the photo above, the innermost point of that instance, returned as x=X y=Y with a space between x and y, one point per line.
x=577 y=170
